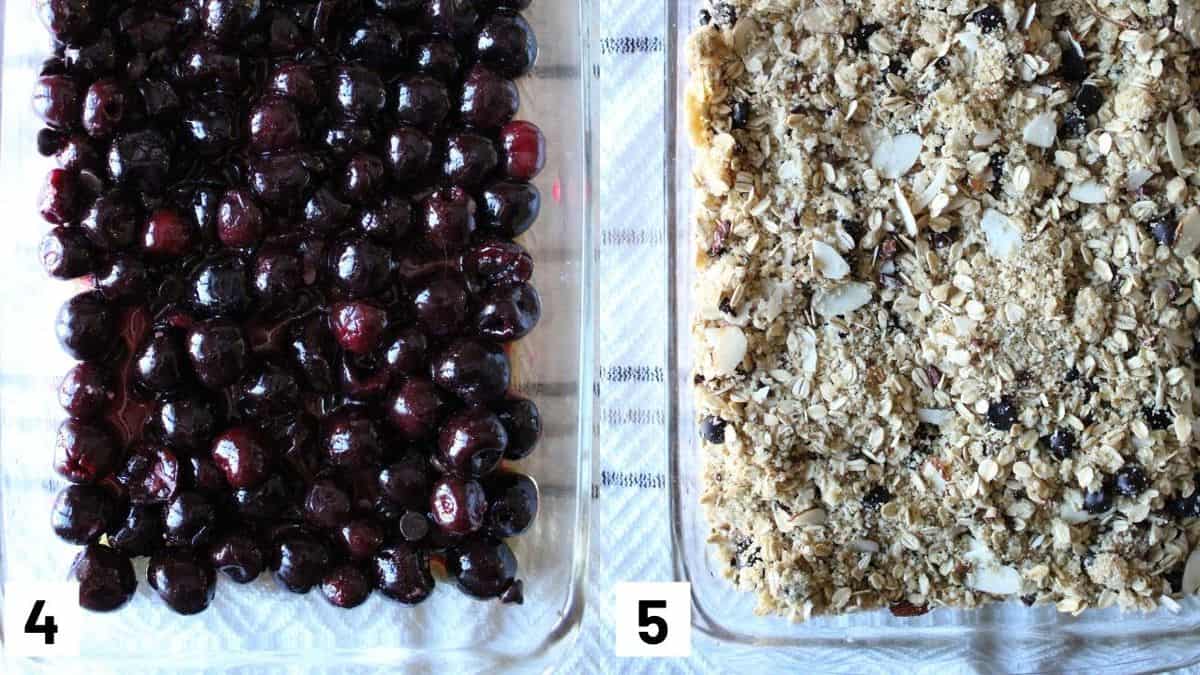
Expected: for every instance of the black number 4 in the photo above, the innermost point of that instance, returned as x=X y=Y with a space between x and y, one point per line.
x=646 y=621
x=48 y=628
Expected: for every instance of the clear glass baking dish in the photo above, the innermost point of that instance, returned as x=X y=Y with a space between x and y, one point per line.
x=259 y=626
x=999 y=638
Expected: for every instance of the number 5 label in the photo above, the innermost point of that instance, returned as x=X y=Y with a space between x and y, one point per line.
x=42 y=619
x=654 y=619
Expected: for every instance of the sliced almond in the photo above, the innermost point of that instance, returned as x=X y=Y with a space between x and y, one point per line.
x=896 y=155
x=1136 y=178
x=1174 y=147
x=986 y=137
x=1003 y=238
x=906 y=214
x=997 y=580
x=828 y=261
x=842 y=300
x=821 y=19
x=1191 y=573
x=935 y=416
x=1188 y=236
x=864 y=546
x=728 y=344
x=1042 y=130
x=1089 y=192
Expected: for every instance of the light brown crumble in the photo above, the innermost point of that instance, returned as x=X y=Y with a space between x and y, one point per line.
x=905 y=236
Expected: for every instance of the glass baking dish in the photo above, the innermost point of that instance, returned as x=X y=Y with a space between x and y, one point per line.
x=259 y=626
x=1005 y=637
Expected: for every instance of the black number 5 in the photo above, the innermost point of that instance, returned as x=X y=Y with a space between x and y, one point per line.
x=646 y=621
x=48 y=627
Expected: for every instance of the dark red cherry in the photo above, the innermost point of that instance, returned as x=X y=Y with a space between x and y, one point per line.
x=405 y=483
x=105 y=576
x=56 y=99
x=274 y=125
x=86 y=391
x=512 y=503
x=483 y=568
x=449 y=219
x=280 y=180
x=440 y=305
x=498 y=262
x=110 y=223
x=58 y=201
x=360 y=538
x=474 y=370
x=363 y=178
x=242 y=457
x=86 y=326
x=488 y=100
x=324 y=212
x=65 y=253
x=81 y=513
x=376 y=41
x=269 y=390
x=141 y=531
x=104 y=108
x=413 y=409
x=218 y=352
x=84 y=452
x=167 y=234
x=469 y=159
x=359 y=266
x=218 y=286
x=205 y=63
x=189 y=520
x=300 y=562
x=185 y=423
x=124 y=279
x=408 y=154
x=326 y=505
x=140 y=161
x=388 y=221
x=508 y=313
x=401 y=572
x=407 y=352
x=346 y=586
x=296 y=82
x=422 y=102
x=350 y=439
x=239 y=556
x=160 y=364
x=185 y=583
x=524 y=150
x=458 y=505
x=358 y=91
x=358 y=325
x=227 y=20
x=240 y=221
x=523 y=423
x=150 y=475
x=213 y=124
x=437 y=58
x=276 y=274
x=471 y=442
x=506 y=42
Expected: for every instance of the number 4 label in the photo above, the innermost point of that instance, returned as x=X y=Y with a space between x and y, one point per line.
x=654 y=619
x=49 y=617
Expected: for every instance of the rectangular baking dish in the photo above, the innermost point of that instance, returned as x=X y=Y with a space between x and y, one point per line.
x=260 y=626
x=1005 y=637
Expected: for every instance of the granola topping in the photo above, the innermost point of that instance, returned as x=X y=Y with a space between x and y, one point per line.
x=946 y=301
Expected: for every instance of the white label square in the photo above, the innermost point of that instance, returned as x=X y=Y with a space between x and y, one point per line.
x=42 y=619
x=654 y=619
